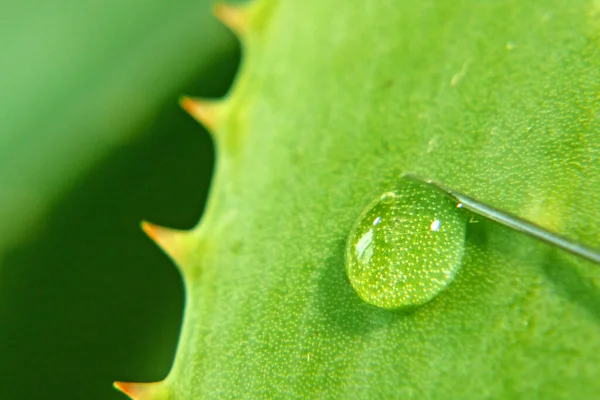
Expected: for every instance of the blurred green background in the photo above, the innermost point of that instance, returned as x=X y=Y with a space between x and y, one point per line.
x=91 y=142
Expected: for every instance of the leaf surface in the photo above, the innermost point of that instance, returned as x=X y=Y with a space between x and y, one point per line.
x=496 y=99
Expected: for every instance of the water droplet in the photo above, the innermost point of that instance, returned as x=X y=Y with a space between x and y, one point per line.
x=406 y=247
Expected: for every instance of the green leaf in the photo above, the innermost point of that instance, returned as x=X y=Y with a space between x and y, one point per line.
x=495 y=99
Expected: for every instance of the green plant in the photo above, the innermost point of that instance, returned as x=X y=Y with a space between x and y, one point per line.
x=335 y=101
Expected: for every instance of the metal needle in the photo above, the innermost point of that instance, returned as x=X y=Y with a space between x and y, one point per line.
x=514 y=222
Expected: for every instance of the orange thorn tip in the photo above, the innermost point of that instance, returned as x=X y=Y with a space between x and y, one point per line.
x=203 y=111
x=232 y=16
x=139 y=391
x=167 y=239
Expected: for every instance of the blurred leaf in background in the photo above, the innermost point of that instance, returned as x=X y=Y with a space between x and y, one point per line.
x=78 y=79
x=92 y=141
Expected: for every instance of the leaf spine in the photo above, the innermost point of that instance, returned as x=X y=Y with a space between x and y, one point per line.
x=141 y=390
x=169 y=240
x=204 y=111
x=234 y=17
